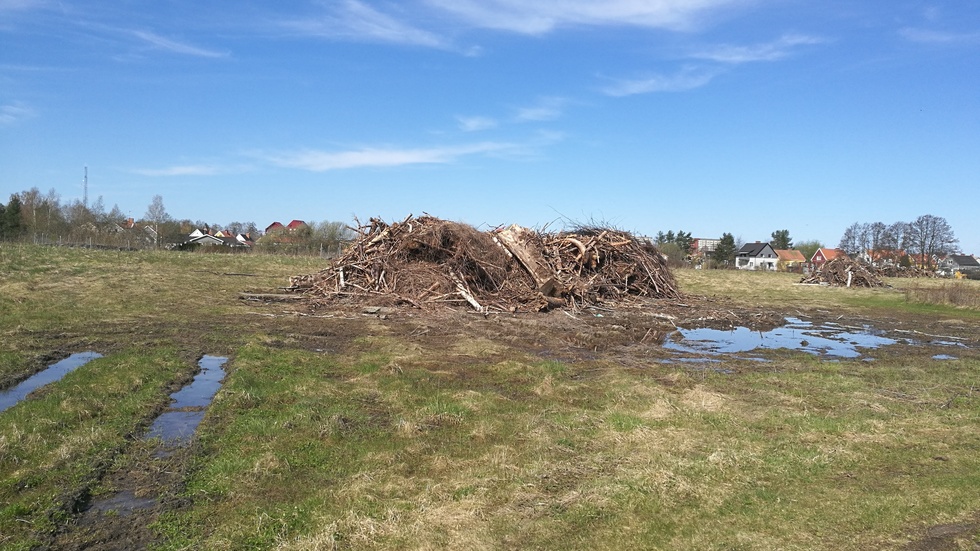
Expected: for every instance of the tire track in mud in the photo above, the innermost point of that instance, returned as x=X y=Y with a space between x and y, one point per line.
x=147 y=480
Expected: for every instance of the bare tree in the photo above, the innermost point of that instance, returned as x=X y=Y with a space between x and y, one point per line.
x=156 y=214
x=930 y=236
x=854 y=240
x=894 y=241
x=876 y=235
x=42 y=213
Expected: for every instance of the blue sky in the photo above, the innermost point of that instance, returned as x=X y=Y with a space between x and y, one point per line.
x=708 y=116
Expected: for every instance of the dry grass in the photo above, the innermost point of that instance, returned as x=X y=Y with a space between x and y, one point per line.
x=961 y=294
x=411 y=433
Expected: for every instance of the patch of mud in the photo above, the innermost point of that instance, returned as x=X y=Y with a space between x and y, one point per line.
x=948 y=537
x=147 y=481
x=139 y=489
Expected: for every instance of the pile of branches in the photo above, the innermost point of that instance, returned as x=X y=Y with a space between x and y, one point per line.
x=426 y=262
x=906 y=271
x=844 y=271
x=595 y=264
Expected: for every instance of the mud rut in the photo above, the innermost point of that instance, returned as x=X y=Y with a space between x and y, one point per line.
x=146 y=482
x=145 y=479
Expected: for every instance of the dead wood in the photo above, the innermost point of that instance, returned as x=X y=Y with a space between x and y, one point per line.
x=426 y=262
x=844 y=271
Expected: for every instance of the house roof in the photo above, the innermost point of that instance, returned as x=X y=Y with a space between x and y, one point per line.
x=882 y=254
x=274 y=226
x=296 y=224
x=828 y=254
x=790 y=255
x=965 y=260
x=753 y=249
x=205 y=239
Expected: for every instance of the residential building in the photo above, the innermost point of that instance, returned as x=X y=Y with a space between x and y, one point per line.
x=790 y=260
x=823 y=256
x=958 y=263
x=756 y=256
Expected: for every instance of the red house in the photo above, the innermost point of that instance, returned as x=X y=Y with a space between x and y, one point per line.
x=823 y=255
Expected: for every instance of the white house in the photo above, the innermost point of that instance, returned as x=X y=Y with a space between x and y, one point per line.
x=756 y=256
x=958 y=263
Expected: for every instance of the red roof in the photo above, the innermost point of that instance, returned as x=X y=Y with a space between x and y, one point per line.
x=826 y=254
x=295 y=224
x=274 y=226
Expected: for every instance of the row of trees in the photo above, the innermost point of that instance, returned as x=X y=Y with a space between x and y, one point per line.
x=43 y=217
x=680 y=248
x=921 y=241
x=924 y=239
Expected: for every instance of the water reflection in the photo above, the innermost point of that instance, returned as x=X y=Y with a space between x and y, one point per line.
x=830 y=339
x=178 y=424
x=54 y=372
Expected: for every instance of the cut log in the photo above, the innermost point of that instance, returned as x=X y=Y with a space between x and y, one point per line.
x=515 y=239
x=465 y=293
x=269 y=297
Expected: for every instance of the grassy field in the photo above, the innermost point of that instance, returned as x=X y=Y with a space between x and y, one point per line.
x=337 y=430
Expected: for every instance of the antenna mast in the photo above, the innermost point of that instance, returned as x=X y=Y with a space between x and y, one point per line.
x=85 y=188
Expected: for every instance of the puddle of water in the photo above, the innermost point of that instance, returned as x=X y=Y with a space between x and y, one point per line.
x=943 y=357
x=204 y=386
x=948 y=343
x=176 y=426
x=122 y=503
x=54 y=372
x=829 y=340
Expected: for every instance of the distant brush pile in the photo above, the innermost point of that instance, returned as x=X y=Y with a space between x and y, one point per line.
x=844 y=271
x=427 y=262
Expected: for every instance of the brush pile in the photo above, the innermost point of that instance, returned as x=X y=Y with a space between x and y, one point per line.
x=844 y=271
x=906 y=271
x=427 y=262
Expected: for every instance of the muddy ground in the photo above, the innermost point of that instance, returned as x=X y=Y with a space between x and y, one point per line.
x=149 y=480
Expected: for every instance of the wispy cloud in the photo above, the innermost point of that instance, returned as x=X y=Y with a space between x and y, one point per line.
x=534 y=18
x=476 y=124
x=187 y=170
x=15 y=112
x=686 y=79
x=356 y=20
x=169 y=45
x=21 y=5
x=938 y=37
x=546 y=109
x=769 y=51
x=322 y=161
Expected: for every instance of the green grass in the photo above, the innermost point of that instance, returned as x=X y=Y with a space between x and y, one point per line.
x=54 y=445
x=348 y=432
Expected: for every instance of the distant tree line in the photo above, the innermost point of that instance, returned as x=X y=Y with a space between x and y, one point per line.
x=675 y=246
x=922 y=240
x=10 y=224
x=680 y=250
x=44 y=218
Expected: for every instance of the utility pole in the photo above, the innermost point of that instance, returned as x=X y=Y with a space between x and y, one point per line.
x=85 y=188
